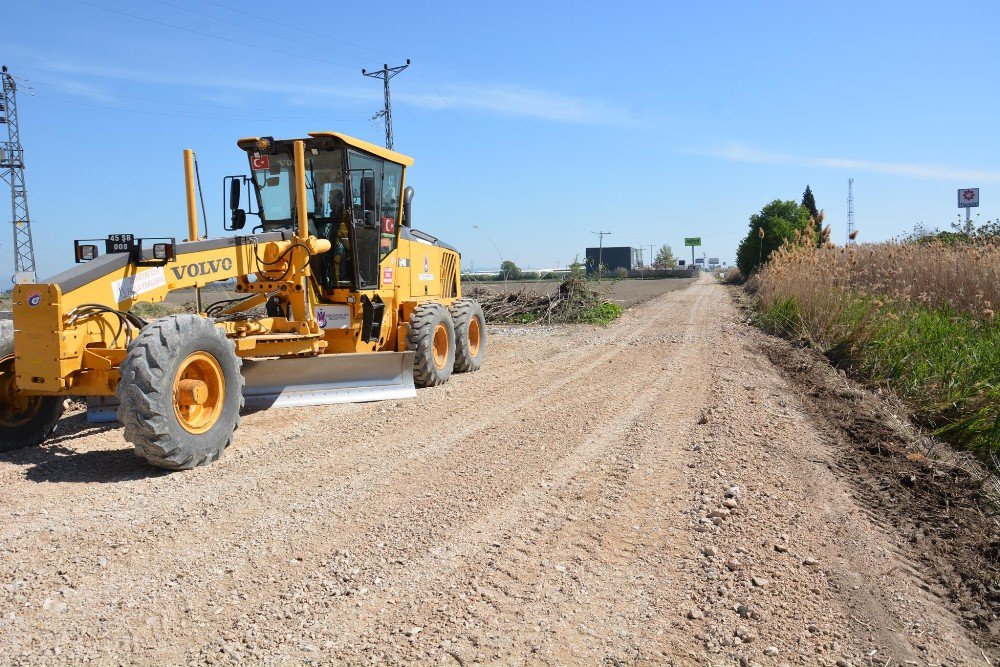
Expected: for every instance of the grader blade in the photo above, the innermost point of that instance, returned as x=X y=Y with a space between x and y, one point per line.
x=323 y=380
x=330 y=378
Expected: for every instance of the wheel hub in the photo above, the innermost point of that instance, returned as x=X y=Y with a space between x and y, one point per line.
x=440 y=345
x=199 y=390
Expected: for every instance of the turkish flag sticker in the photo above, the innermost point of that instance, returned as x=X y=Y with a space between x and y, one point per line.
x=388 y=226
x=260 y=162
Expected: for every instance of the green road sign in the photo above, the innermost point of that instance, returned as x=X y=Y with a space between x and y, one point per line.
x=696 y=241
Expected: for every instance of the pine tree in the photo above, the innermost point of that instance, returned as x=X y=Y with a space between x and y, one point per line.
x=815 y=215
x=810 y=202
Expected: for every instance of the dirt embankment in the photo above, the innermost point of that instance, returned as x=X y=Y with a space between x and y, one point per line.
x=657 y=491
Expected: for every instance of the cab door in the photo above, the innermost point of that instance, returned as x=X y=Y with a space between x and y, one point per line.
x=365 y=183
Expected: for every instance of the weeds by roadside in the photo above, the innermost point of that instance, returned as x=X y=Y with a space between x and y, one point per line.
x=916 y=319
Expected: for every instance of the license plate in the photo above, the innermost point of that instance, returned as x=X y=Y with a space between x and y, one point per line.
x=120 y=243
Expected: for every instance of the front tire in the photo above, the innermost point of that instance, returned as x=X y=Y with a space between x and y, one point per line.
x=470 y=335
x=180 y=392
x=432 y=340
x=25 y=421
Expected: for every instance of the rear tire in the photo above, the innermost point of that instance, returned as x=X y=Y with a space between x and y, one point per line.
x=470 y=335
x=180 y=392
x=432 y=340
x=25 y=421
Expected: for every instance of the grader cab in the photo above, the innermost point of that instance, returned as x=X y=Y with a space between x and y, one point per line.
x=339 y=299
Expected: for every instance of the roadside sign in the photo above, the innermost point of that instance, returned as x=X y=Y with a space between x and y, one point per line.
x=700 y=260
x=713 y=260
x=968 y=198
x=693 y=241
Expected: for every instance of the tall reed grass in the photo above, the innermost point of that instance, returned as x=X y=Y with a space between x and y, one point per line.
x=917 y=319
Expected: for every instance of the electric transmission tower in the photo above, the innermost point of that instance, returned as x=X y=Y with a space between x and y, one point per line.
x=850 y=211
x=12 y=172
x=385 y=74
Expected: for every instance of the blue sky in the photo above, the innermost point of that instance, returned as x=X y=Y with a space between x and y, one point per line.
x=538 y=122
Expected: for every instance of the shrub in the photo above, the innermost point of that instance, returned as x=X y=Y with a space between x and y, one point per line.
x=915 y=318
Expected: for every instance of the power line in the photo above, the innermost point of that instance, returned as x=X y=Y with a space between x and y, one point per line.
x=257 y=47
x=170 y=114
x=257 y=30
x=385 y=74
x=91 y=92
x=475 y=134
x=297 y=28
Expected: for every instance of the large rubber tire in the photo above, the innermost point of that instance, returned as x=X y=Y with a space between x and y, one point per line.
x=148 y=392
x=31 y=419
x=432 y=363
x=470 y=335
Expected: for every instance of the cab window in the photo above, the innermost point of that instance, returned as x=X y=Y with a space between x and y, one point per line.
x=392 y=191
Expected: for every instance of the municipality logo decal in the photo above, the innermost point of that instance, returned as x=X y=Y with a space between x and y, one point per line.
x=34 y=298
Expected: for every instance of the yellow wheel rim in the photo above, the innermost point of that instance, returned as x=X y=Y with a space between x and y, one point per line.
x=440 y=345
x=16 y=409
x=475 y=337
x=199 y=390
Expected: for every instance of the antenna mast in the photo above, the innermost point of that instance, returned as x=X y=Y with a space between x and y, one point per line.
x=12 y=173
x=385 y=74
x=850 y=211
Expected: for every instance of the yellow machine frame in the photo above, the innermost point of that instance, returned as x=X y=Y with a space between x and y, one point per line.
x=65 y=344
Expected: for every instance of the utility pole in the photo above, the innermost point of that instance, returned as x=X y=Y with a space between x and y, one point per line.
x=12 y=172
x=385 y=74
x=600 y=251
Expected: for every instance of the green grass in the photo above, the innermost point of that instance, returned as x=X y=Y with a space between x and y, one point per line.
x=602 y=314
x=944 y=365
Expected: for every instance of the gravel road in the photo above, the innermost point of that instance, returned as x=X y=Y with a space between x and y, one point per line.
x=649 y=492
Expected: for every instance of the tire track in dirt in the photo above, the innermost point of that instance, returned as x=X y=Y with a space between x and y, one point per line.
x=224 y=491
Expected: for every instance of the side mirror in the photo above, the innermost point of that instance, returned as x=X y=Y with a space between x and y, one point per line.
x=239 y=219
x=234 y=194
x=407 y=200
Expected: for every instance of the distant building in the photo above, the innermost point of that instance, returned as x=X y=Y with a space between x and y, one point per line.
x=613 y=258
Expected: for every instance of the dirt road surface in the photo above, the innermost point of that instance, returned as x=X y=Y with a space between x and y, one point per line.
x=649 y=492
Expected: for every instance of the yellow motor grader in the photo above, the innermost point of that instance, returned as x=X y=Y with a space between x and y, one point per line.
x=339 y=299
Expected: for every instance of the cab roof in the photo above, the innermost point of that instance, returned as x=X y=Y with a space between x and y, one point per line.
x=360 y=144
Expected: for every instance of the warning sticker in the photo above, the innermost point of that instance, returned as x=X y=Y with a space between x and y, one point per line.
x=387 y=275
x=130 y=287
x=259 y=162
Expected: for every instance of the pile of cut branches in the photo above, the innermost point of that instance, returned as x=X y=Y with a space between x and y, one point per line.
x=574 y=301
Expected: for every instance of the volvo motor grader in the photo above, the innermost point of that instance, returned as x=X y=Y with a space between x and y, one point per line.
x=339 y=299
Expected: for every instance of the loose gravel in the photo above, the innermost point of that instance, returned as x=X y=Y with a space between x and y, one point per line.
x=650 y=492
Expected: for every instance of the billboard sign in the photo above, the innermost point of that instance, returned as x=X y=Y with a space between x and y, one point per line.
x=696 y=240
x=968 y=198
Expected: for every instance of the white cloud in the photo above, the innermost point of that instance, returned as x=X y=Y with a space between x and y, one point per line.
x=511 y=100
x=737 y=152
x=503 y=99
